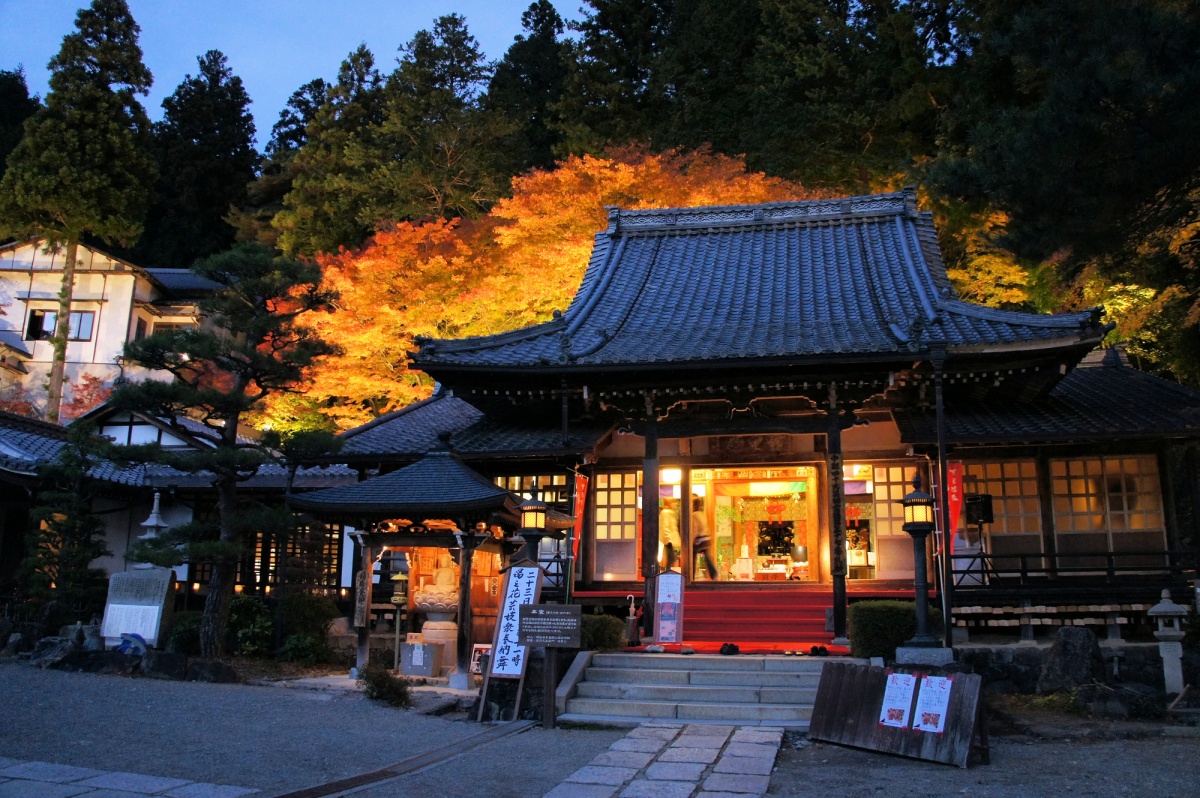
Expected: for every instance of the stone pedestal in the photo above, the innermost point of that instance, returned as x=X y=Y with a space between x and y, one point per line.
x=445 y=633
x=924 y=655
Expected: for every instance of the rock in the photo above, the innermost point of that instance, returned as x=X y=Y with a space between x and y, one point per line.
x=50 y=651
x=73 y=632
x=1074 y=660
x=164 y=665
x=112 y=662
x=92 y=639
x=15 y=644
x=210 y=670
x=339 y=627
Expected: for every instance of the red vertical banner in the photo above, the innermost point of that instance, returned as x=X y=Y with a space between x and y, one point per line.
x=581 y=487
x=954 y=496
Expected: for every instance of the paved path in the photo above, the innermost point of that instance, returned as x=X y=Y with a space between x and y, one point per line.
x=673 y=760
x=19 y=779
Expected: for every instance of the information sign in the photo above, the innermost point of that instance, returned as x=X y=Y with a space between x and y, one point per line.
x=932 y=703
x=139 y=602
x=897 y=700
x=668 y=608
x=554 y=625
x=520 y=588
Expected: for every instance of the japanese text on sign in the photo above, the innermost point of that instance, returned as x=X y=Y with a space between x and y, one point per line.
x=897 y=700
x=932 y=702
x=556 y=626
x=509 y=658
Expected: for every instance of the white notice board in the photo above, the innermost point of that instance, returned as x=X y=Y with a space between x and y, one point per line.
x=932 y=703
x=521 y=586
x=897 y=700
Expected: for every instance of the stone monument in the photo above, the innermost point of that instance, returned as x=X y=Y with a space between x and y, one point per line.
x=140 y=602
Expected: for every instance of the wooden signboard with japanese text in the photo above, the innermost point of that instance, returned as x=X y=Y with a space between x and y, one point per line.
x=522 y=585
x=936 y=718
x=552 y=625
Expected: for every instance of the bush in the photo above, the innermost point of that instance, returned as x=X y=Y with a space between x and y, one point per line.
x=305 y=650
x=602 y=633
x=248 y=633
x=382 y=685
x=306 y=614
x=878 y=627
x=184 y=637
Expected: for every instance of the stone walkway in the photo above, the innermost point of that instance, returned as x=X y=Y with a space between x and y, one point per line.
x=674 y=760
x=47 y=780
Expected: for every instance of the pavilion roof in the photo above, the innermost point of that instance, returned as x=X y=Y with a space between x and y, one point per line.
x=437 y=485
x=787 y=282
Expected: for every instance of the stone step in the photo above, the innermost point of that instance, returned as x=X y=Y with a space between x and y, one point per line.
x=717 y=694
x=703 y=662
x=715 y=678
x=786 y=714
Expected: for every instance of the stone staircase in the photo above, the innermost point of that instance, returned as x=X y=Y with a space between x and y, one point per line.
x=628 y=689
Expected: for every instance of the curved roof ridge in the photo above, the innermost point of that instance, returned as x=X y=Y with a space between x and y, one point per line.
x=896 y=202
x=1052 y=320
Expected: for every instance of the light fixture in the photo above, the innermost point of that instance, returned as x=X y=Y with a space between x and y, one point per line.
x=800 y=554
x=533 y=524
x=918 y=522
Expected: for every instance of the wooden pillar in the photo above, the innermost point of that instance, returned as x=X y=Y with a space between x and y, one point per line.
x=649 y=522
x=939 y=362
x=467 y=545
x=1046 y=502
x=363 y=602
x=837 y=518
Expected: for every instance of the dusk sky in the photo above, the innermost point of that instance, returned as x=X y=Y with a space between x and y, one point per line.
x=274 y=46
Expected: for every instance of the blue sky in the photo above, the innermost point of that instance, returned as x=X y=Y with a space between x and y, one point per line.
x=274 y=46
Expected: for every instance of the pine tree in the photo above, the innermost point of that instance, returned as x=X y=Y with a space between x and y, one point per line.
x=254 y=343
x=527 y=86
x=70 y=535
x=83 y=166
x=15 y=107
x=206 y=158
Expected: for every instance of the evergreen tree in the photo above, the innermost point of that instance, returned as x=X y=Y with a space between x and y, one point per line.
x=448 y=158
x=206 y=159
x=527 y=85
x=615 y=95
x=290 y=133
x=329 y=204
x=254 y=344
x=15 y=107
x=70 y=535
x=83 y=166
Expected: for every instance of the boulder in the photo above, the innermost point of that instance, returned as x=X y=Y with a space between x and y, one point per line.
x=14 y=644
x=50 y=651
x=92 y=639
x=1073 y=660
x=164 y=665
x=210 y=670
x=112 y=662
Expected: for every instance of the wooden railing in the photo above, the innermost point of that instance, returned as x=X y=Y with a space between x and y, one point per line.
x=984 y=570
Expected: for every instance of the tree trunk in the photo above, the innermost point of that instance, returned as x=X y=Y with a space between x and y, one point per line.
x=62 y=328
x=220 y=590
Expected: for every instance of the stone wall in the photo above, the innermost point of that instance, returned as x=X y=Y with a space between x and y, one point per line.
x=1015 y=668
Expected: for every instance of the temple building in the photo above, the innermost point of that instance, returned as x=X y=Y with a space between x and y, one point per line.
x=744 y=393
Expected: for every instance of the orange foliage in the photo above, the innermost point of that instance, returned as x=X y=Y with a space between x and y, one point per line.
x=15 y=399
x=513 y=268
x=90 y=392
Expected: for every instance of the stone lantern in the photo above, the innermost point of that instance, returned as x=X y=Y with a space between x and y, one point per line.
x=1168 y=616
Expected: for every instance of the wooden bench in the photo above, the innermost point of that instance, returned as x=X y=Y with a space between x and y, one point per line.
x=1028 y=616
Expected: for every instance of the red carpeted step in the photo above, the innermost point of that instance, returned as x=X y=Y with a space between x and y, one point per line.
x=767 y=616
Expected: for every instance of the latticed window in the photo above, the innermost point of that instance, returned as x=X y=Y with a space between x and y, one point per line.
x=1107 y=504
x=892 y=483
x=616 y=524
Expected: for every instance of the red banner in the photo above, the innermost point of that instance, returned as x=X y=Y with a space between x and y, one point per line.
x=954 y=497
x=581 y=487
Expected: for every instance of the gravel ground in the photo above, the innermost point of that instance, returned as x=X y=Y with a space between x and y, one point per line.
x=280 y=740
x=271 y=738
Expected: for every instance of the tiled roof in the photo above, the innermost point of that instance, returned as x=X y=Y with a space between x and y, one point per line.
x=26 y=443
x=1103 y=399
x=437 y=484
x=414 y=430
x=183 y=282
x=797 y=281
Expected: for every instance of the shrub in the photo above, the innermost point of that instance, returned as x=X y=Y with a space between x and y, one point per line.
x=184 y=637
x=304 y=650
x=249 y=629
x=306 y=614
x=602 y=633
x=878 y=627
x=382 y=685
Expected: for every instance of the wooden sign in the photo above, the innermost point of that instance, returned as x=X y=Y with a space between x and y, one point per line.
x=553 y=625
x=936 y=718
x=522 y=585
x=360 y=599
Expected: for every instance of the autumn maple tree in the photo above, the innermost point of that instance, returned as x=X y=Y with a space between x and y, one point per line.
x=512 y=268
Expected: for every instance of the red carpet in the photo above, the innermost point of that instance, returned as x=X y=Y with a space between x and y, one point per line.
x=768 y=620
x=753 y=647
